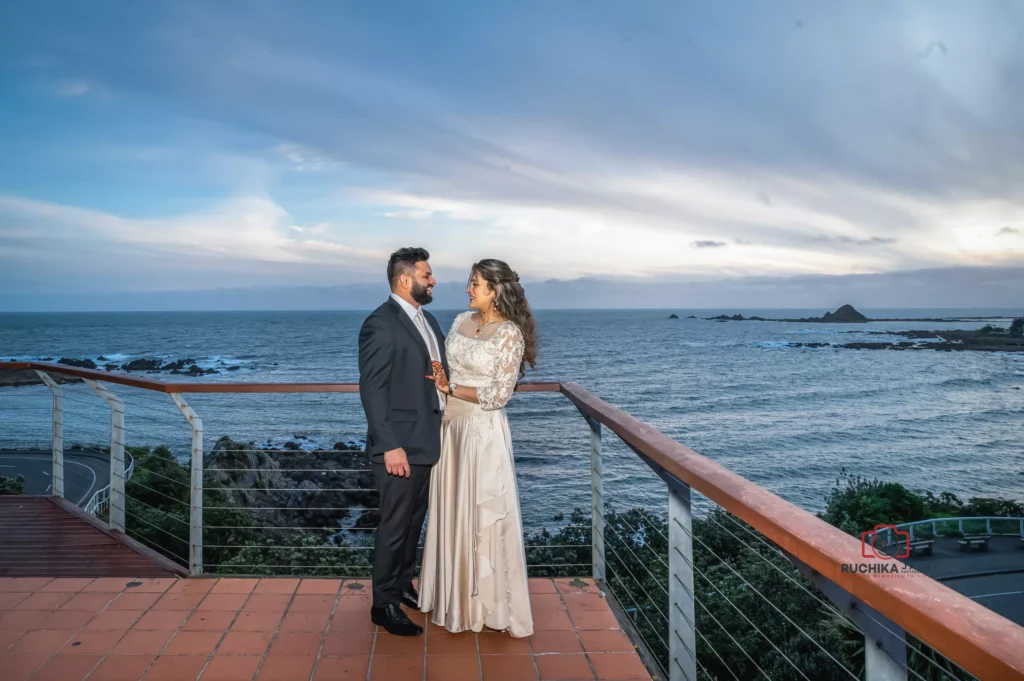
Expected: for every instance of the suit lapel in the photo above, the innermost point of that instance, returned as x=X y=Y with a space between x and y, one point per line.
x=404 y=320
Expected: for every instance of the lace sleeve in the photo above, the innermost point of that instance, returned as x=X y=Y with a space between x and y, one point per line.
x=509 y=354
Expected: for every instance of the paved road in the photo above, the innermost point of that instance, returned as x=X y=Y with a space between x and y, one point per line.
x=83 y=473
x=1002 y=593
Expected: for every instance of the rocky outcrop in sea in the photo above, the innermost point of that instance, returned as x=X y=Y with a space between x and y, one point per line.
x=846 y=314
x=179 y=367
x=986 y=339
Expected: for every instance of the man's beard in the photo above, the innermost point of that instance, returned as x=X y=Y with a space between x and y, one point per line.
x=420 y=294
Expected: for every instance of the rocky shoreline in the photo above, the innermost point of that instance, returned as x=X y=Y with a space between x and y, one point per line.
x=291 y=487
x=187 y=367
x=180 y=367
x=941 y=341
x=986 y=339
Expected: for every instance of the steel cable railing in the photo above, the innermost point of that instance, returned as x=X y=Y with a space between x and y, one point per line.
x=703 y=588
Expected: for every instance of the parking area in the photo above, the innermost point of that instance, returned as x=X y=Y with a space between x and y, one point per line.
x=993 y=577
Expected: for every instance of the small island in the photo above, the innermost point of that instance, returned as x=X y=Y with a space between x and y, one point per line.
x=846 y=314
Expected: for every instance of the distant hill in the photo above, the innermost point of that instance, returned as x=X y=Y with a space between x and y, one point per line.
x=954 y=287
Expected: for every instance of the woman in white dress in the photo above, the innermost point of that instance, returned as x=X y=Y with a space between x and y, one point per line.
x=474 y=562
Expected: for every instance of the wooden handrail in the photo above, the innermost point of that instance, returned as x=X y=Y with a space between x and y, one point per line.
x=120 y=378
x=982 y=642
x=974 y=637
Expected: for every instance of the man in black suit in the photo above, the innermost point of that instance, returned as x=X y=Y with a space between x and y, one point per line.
x=403 y=408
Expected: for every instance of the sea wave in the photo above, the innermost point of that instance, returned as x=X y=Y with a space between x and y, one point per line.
x=814 y=331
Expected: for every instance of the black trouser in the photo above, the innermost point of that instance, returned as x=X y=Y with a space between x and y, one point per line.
x=403 y=506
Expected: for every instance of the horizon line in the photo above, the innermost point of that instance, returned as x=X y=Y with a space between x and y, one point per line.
x=458 y=309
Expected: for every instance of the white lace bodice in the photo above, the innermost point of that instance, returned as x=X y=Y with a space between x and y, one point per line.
x=488 y=363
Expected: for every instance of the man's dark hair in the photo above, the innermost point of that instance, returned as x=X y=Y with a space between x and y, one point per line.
x=403 y=261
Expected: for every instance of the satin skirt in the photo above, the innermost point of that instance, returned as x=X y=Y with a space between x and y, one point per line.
x=474 y=563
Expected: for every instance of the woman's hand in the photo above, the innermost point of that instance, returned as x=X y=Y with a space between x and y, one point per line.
x=439 y=377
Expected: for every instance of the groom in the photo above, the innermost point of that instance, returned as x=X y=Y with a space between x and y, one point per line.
x=397 y=343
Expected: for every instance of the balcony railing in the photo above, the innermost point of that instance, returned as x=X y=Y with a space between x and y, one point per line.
x=714 y=576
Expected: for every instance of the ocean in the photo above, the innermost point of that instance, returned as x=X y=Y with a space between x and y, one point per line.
x=789 y=419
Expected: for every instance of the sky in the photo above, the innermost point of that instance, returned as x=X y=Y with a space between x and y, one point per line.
x=199 y=146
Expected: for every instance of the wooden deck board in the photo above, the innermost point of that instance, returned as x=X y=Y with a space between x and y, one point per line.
x=41 y=538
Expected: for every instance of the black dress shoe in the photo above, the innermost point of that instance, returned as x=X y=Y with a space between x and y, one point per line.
x=411 y=599
x=394 y=621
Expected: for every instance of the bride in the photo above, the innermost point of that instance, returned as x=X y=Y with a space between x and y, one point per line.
x=474 y=563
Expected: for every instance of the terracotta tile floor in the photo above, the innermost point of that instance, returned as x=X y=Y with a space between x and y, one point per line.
x=285 y=630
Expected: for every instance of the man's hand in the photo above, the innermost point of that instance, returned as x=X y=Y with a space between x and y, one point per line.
x=397 y=463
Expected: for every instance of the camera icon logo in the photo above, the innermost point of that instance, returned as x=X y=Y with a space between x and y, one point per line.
x=901 y=542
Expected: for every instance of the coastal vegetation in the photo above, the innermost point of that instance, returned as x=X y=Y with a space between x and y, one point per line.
x=12 y=485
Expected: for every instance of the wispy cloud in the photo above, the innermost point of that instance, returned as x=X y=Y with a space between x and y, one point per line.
x=304 y=160
x=315 y=230
x=73 y=87
x=408 y=214
x=647 y=141
x=247 y=228
x=1009 y=231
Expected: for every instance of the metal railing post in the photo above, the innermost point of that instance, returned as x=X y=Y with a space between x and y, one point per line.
x=57 y=437
x=885 y=643
x=879 y=665
x=596 y=501
x=115 y=515
x=988 y=526
x=682 y=633
x=195 y=534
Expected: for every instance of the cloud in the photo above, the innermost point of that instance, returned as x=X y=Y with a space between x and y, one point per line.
x=314 y=230
x=304 y=160
x=73 y=87
x=409 y=214
x=866 y=241
x=992 y=289
x=1009 y=231
x=708 y=244
x=610 y=142
x=252 y=229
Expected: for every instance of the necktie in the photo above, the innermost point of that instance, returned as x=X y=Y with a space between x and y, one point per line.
x=431 y=343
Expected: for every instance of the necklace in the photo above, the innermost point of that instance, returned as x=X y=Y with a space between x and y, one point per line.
x=480 y=326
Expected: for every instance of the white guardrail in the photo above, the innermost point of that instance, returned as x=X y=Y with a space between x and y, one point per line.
x=100 y=501
x=936 y=524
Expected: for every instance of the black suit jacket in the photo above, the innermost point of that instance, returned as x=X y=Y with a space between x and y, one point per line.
x=401 y=405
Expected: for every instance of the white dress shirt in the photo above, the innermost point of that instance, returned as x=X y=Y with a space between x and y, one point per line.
x=424 y=329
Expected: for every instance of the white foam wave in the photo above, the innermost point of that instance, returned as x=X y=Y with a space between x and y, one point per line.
x=116 y=357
